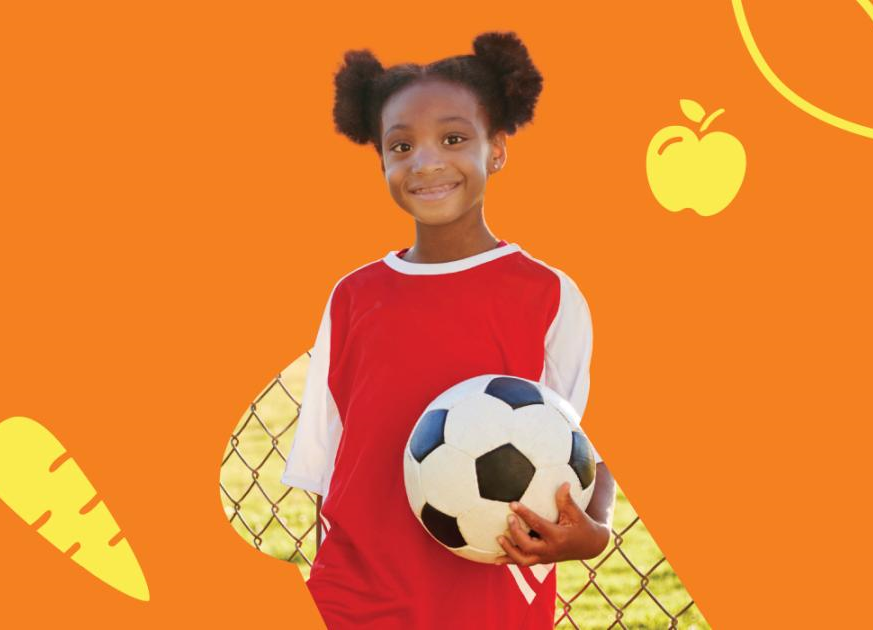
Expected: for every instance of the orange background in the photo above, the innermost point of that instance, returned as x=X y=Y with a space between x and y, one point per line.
x=176 y=207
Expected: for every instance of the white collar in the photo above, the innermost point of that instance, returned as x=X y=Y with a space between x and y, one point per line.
x=429 y=269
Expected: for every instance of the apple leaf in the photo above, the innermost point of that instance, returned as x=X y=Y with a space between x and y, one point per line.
x=692 y=109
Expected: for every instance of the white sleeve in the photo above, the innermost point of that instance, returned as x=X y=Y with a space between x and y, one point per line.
x=568 y=349
x=310 y=463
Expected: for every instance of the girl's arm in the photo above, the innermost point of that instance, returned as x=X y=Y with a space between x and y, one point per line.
x=602 y=504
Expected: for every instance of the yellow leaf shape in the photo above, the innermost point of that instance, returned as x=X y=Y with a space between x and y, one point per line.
x=46 y=487
x=692 y=109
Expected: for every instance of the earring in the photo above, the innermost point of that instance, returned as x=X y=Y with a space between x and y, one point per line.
x=496 y=164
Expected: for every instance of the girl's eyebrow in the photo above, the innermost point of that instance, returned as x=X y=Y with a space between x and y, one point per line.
x=443 y=119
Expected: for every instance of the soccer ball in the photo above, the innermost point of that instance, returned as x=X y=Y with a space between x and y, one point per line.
x=483 y=443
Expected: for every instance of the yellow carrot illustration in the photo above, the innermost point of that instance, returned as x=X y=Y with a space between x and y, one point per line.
x=44 y=485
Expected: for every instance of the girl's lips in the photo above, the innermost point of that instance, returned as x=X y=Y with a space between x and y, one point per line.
x=436 y=192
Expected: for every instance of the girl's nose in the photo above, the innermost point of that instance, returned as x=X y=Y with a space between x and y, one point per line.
x=427 y=161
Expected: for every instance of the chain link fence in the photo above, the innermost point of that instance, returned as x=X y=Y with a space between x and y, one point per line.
x=630 y=585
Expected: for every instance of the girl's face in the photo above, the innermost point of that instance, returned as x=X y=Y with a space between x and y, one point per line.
x=435 y=134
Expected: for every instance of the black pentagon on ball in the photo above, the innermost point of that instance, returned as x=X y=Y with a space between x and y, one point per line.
x=582 y=460
x=428 y=433
x=515 y=392
x=503 y=474
x=442 y=526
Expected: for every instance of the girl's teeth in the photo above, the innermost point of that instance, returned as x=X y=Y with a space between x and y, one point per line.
x=433 y=190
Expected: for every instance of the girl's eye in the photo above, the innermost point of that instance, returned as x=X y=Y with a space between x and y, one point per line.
x=406 y=144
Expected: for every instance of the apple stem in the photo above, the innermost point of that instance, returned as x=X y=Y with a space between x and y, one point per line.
x=710 y=118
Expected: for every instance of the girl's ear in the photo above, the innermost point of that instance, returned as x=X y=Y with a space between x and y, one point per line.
x=498 y=149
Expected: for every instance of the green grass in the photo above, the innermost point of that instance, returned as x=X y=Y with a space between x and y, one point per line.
x=265 y=505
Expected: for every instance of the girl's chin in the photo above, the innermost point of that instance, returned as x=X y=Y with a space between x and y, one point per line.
x=436 y=216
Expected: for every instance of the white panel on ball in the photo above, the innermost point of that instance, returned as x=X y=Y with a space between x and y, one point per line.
x=554 y=399
x=448 y=480
x=542 y=434
x=481 y=525
x=540 y=494
x=413 y=484
x=467 y=429
x=477 y=555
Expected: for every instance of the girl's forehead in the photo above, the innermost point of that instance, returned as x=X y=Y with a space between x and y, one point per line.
x=430 y=101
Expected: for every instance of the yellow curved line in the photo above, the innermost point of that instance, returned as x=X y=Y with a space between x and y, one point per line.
x=787 y=92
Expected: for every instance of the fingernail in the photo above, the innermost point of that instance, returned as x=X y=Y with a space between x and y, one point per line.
x=513 y=506
x=500 y=539
x=511 y=519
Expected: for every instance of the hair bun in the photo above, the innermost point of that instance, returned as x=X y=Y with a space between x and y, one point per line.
x=519 y=79
x=354 y=83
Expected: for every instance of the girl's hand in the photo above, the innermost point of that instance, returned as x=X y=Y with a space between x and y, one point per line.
x=576 y=536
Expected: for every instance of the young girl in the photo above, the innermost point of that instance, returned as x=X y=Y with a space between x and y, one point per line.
x=399 y=331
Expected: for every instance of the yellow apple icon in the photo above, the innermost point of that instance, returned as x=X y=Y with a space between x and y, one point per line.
x=703 y=172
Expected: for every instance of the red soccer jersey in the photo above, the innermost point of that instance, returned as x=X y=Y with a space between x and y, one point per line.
x=393 y=336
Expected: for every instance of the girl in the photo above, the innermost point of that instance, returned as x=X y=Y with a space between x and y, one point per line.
x=399 y=331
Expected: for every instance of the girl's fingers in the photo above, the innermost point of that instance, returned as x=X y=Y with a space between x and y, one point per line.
x=563 y=498
x=533 y=520
x=522 y=539
x=516 y=554
x=504 y=559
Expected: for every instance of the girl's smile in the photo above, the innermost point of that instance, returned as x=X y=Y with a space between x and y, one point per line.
x=436 y=192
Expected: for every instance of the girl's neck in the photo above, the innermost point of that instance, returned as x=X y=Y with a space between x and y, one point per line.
x=445 y=243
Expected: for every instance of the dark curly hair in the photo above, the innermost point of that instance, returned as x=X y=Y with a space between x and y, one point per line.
x=500 y=73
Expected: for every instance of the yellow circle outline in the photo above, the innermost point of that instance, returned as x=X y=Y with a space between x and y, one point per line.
x=784 y=90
